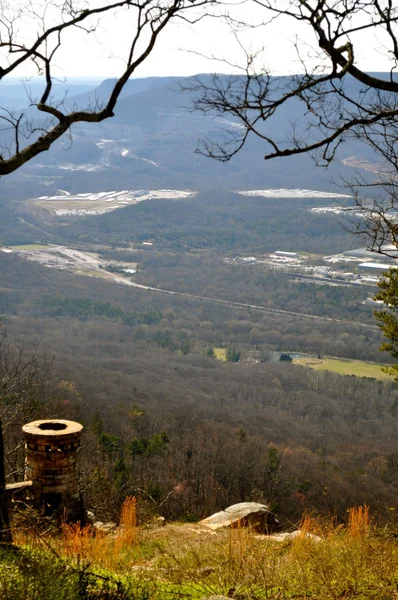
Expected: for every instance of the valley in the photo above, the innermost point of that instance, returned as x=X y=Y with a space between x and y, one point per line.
x=163 y=290
x=90 y=264
x=198 y=300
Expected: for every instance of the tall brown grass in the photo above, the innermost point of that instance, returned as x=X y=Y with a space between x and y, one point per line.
x=359 y=524
x=128 y=532
x=327 y=561
x=110 y=550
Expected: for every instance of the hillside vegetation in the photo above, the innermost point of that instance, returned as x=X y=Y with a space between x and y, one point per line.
x=176 y=374
x=189 y=434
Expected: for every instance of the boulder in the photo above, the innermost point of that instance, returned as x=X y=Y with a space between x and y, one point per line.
x=105 y=527
x=90 y=517
x=155 y=523
x=251 y=514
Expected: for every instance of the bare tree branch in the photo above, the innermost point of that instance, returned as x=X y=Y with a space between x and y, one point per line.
x=339 y=99
x=152 y=16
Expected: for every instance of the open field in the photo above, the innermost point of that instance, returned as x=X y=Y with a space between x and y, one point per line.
x=32 y=247
x=72 y=260
x=291 y=193
x=220 y=354
x=90 y=273
x=345 y=367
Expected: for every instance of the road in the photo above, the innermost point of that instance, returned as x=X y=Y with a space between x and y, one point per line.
x=35 y=227
x=243 y=305
x=89 y=260
x=86 y=259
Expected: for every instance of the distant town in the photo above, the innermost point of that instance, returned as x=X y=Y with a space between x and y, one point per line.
x=352 y=267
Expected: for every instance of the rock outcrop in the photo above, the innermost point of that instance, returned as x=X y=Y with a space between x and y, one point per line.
x=251 y=514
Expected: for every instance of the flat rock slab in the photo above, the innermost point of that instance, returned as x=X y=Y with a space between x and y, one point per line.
x=283 y=537
x=105 y=527
x=253 y=514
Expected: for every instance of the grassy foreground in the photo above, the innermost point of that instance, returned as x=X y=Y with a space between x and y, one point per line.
x=345 y=367
x=323 y=562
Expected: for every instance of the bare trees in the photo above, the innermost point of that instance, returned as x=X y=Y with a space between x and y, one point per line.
x=22 y=381
x=31 y=34
x=23 y=378
x=334 y=99
x=337 y=97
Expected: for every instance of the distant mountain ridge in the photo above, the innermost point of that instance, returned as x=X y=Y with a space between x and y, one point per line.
x=151 y=142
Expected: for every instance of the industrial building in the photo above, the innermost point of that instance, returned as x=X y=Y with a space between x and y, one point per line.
x=286 y=254
x=373 y=303
x=376 y=267
x=247 y=259
x=365 y=254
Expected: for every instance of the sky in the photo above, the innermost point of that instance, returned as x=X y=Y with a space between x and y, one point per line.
x=179 y=50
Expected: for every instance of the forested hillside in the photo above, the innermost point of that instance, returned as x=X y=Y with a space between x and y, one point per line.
x=193 y=315
x=160 y=416
x=166 y=417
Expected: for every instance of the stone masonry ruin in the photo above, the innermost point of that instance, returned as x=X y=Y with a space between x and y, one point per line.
x=51 y=474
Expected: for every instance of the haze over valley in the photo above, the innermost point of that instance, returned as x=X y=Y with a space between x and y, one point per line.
x=204 y=300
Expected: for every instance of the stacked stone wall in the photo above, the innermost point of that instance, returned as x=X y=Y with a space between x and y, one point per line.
x=51 y=464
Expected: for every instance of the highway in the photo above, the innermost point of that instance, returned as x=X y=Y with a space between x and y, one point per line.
x=89 y=260
x=243 y=305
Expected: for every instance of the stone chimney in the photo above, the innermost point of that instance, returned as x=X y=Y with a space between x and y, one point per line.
x=51 y=465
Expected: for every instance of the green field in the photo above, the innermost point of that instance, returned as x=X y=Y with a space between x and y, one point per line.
x=29 y=247
x=345 y=367
x=220 y=354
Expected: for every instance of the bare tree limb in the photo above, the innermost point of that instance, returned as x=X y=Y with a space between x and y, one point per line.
x=152 y=16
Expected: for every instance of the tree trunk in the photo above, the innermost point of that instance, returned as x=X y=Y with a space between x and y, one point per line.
x=5 y=530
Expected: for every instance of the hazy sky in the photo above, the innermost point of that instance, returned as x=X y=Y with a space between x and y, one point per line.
x=101 y=54
x=177 y=51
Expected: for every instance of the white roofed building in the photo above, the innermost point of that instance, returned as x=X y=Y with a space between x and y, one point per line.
x=377 y=267
x=286 y=254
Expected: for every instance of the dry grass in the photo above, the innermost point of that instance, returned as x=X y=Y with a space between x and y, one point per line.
x=89 y=545
x=327 y=561
x=359 y=525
